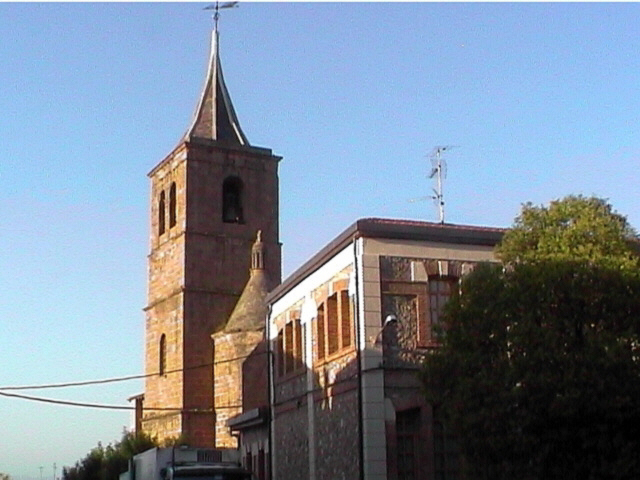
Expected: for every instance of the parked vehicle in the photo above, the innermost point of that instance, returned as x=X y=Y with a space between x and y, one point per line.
x=185 y=463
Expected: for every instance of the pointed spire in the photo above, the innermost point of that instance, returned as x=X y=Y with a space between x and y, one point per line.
x=215 y=117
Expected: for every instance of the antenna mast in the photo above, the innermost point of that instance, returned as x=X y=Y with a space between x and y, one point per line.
x=439 y=170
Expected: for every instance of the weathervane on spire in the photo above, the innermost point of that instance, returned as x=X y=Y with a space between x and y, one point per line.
x=217 y=6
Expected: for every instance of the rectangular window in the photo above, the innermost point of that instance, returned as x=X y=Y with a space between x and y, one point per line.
x=407 y=432
x=446 y=452
x=288 y=348
x=267 y=466
x=345 y=318
x=280 y=350
x=262 y=465
x=334 y=324
x=333 y=332
x=320 y=332
x=440 y=290
x=248 y=464
x=298 y=334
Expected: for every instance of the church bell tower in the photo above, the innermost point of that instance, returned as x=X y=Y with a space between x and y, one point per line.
x=209 y=197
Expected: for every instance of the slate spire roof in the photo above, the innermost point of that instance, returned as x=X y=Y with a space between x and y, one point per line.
x=251 y=310
x=215 y=117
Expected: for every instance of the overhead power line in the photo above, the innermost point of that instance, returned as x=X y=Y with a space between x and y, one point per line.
x=4 y=390
x=78 y=384
x=120 y=379
x=108 y=407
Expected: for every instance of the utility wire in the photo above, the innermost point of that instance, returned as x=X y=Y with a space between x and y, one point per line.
x=111 y=407
x=4 y=390
x=120 y=379
x=78 y=384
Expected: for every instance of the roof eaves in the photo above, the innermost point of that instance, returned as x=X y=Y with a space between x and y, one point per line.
x=392 y=229
x=249 y=418
x=314 y=262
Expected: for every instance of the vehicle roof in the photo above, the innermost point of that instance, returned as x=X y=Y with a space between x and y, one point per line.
x=208 y=467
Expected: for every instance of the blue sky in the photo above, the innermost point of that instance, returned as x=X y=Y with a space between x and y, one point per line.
x=540 y=101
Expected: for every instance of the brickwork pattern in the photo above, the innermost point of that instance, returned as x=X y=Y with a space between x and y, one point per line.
x=197 y=271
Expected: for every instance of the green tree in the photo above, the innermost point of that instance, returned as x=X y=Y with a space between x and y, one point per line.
x=539 y=370
x=574 y=228
x=5 y=476
x=107 y=463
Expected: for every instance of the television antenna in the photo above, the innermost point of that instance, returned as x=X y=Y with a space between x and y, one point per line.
x=217 y=7
x=439 y=172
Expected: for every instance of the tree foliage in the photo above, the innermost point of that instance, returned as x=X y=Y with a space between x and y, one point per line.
x=539 y=369
x=107 y=463
x=574 y=228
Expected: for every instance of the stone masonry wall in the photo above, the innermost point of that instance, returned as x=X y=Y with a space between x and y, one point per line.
x=337 y=437
x=232 y=389
x=164 y=311
x=197 y=271
x=404 y=293
x=291 y=447
x=217 y=256
x=208 y=168
x=321 y=401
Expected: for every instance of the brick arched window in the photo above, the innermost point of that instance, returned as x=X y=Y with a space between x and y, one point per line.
x=162 y=355
x=161 y=213
x=232 y=200
x=172 y=205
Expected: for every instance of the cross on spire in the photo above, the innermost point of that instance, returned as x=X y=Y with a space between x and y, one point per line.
x=216 y=8
x=215 y=117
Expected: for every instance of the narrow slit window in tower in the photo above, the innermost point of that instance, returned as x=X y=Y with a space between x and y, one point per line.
x=172 y=205
x=161 y=225
x=162 y=355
